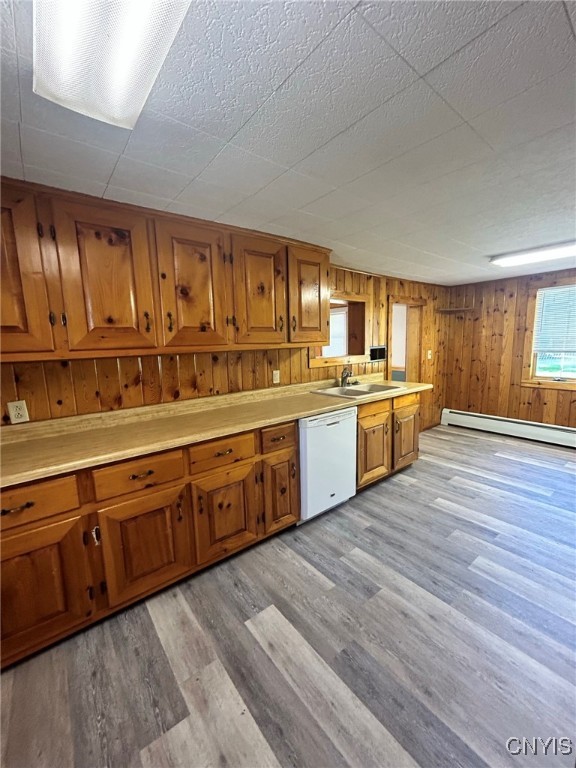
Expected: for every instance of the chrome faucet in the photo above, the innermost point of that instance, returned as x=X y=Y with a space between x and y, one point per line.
x=346 y=373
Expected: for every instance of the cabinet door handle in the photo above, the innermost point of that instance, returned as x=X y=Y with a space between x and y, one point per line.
x=96 y=535
x=224 y=453
x=397 y=426
x=293 y=470
x=293 y=322
x=148 y=326
x=281 y=323
x=200 y=505
x=170 y=322
x=278 y=439
x=386 y=429
x=142 y=475
x=26 y=505
x=179 y=508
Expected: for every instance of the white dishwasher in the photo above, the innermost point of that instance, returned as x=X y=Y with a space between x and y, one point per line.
x=327 y=461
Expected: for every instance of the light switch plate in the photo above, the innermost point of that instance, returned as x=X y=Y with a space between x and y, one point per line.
x=18 y=411
x=429 y=354
x=275 y=377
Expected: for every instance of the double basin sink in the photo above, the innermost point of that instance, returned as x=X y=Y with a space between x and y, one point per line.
x=355 y=391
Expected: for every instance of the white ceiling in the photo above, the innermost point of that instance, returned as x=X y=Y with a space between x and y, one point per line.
x=415 y=139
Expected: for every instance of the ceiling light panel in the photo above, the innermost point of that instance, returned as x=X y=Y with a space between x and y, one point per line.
x=549 y=253
x=101 y=57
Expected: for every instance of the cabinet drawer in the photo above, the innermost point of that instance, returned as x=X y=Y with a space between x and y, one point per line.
x=33 y=502
x=279 y=436
x=136 y=475
x=219 y=453
x=371 y=409
x=402 y=402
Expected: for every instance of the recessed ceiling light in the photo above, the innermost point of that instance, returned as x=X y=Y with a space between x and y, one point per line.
x=547 y=253
x=101 y=57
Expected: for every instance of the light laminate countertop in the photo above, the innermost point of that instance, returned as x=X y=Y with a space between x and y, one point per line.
x=44 y=449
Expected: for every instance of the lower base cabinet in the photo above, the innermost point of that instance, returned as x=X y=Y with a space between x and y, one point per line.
x=387 y=437
x=281 y=490
x=46 y=589
x=146 y=543
x=225 y=512
x=76 y=548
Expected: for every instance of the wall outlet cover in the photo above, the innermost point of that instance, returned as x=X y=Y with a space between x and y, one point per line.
x=18 y=411
x=275 y=377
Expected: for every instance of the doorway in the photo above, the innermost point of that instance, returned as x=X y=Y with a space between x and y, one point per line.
x=404 y=338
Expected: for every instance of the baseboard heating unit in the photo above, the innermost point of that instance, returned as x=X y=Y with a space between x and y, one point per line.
x=531 y=430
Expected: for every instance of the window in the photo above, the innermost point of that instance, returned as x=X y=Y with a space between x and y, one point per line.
x=338 y=333
x=554 y=347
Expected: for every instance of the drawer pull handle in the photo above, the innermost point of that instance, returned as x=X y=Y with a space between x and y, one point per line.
x=26 y=505
x=224 y=453
x=278 y=439
x=142 y=475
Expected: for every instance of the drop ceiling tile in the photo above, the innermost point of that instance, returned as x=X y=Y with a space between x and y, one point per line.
x=149 y=179
x=230 y=56
x=293 y=190
x=10 y=142
x=298 y=220
x=41 y=149
x=554 y=146
x=215 y=197
x=135 y=197
x=23 y=25
x=570 y=6
x=7 y=37
x=433 y=241
x=408 y=119
x=336 y=204
x=51 y=178
x=161 y=141
x=426 y=33
x=241 y=170
x=264 y=210
x=189 y=208
x=9 y=88
x=12 y=169
x=236 y=219
x=45 y=115
x=390 y=227
x=352 y=72
x=549 y=105
x=532 y=43
x=452 y=150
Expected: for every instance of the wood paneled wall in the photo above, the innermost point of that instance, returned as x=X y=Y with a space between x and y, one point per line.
x=67 y=388
x=486 y=353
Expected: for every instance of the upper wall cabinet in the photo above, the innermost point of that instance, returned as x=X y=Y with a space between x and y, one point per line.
x=25 y=312
x=259 y=266
x=106 y=277
x=192 y=284
x=309 y=272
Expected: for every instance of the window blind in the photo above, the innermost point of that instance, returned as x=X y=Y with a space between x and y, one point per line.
x=555 y=323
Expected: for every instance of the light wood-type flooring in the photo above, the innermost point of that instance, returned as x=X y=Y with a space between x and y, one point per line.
x=423 y=623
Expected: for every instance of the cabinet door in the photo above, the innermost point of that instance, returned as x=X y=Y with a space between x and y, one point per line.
x=225 y=512
x=406 y=430
x=308 y=273
x=374 y=447
x=106 y=277
x=281 y=499
x=145 y=543
x=192 y=284
x=45 y=584
x=259 y=290
x=25 y=313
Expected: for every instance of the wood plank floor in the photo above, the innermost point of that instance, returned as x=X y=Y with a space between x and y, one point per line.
x=423 y=623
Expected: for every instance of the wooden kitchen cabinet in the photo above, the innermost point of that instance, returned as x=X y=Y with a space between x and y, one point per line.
x=146 y=542
x=24 y=305
x=46 y=589
x=281 y=490
x=193 y=288
x=374 y=443
x=106 y=274
x=225 y=511
x=406 y=431
x=259 y=269
x=309 y=295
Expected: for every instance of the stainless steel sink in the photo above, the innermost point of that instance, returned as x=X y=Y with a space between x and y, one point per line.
x=355 y=391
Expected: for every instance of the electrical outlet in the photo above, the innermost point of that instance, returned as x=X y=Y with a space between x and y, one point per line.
x=275 y=377
x=18 y=411
x=429 y=354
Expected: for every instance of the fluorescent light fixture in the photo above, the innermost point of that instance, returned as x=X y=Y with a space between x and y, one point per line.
x=547 y=253
x=101 y=57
